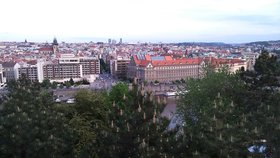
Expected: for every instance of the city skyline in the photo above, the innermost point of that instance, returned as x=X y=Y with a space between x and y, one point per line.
x=145 y=21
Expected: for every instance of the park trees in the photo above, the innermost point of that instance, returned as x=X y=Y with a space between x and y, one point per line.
x=215 y=123
x=225 y=114
x=88 y=120
x=263 y=100
x=135 y=123
x=29 y=124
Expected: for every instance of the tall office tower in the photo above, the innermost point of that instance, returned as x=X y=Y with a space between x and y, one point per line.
x=109 y=41
x=120 y=41
x=114 y=41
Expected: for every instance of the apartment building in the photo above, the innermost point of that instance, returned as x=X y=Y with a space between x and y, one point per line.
x=164 y=68
x=69 y=66
x=62 y=71
x=33 y=70
x=8 y=71
x=118 y=67
x=90 y=65
x=233 y=65
x=30 y=71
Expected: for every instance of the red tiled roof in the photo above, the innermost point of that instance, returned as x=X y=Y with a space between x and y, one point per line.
x=32 y=62
x=221 y=61
x=46 y=49
x=168 y=58
x=148 y=57
x=168 y=61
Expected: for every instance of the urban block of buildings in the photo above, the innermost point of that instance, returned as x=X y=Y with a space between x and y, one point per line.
x=145 y=61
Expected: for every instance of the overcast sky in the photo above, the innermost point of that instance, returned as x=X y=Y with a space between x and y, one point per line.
x=232 y=21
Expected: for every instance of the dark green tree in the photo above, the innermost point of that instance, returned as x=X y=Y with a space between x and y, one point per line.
x=67 y=84
x=71 y=81
x=266 y=64
x=89 y=123
x=54 y=85
x=29 y=124
x=46 y=83
x=136 y=124
x=104 y=67
x=61 y=85
x=85 y=82
x=262 y=100
x=118 y=92
x=216 y=118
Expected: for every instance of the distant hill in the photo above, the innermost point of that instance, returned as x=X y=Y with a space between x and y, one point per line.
x=205 y=44
x=264 y=43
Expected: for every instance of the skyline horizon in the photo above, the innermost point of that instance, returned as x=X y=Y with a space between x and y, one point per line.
x=81 y=39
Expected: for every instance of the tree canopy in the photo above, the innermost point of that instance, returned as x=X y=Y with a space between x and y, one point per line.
x=29 y=124
x=226 y=114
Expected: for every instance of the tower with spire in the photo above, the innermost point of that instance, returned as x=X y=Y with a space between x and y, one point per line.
x=55 y=41
x=55 y=45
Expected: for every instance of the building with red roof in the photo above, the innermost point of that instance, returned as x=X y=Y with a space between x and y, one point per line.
x=167 y=68
x=232 y=64
x=46 y=50
x=164 y=68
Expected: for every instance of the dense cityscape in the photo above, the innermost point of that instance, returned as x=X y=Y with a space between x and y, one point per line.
x=145 y=61
x=117 y=99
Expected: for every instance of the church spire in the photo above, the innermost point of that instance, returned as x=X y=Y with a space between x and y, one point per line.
x=55 y=41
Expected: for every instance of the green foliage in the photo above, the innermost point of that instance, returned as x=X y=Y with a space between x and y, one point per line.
x=266 y=64
x=29 y=124
x=54 y=85
x=61 y=86
x=226 y=113
x=71 y=81
x=85 y=82
x=182 y=80
x=262 y=100
x=212 y=114
x=136 y=128
x=145 y=82
x=89 y=122
x=46 y=83
x=177 y=81
x=104 y=67
x=203 y=91
x=67 y=84
x=118 y=93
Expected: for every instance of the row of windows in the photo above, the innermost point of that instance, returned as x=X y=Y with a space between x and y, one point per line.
x=177 y=67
